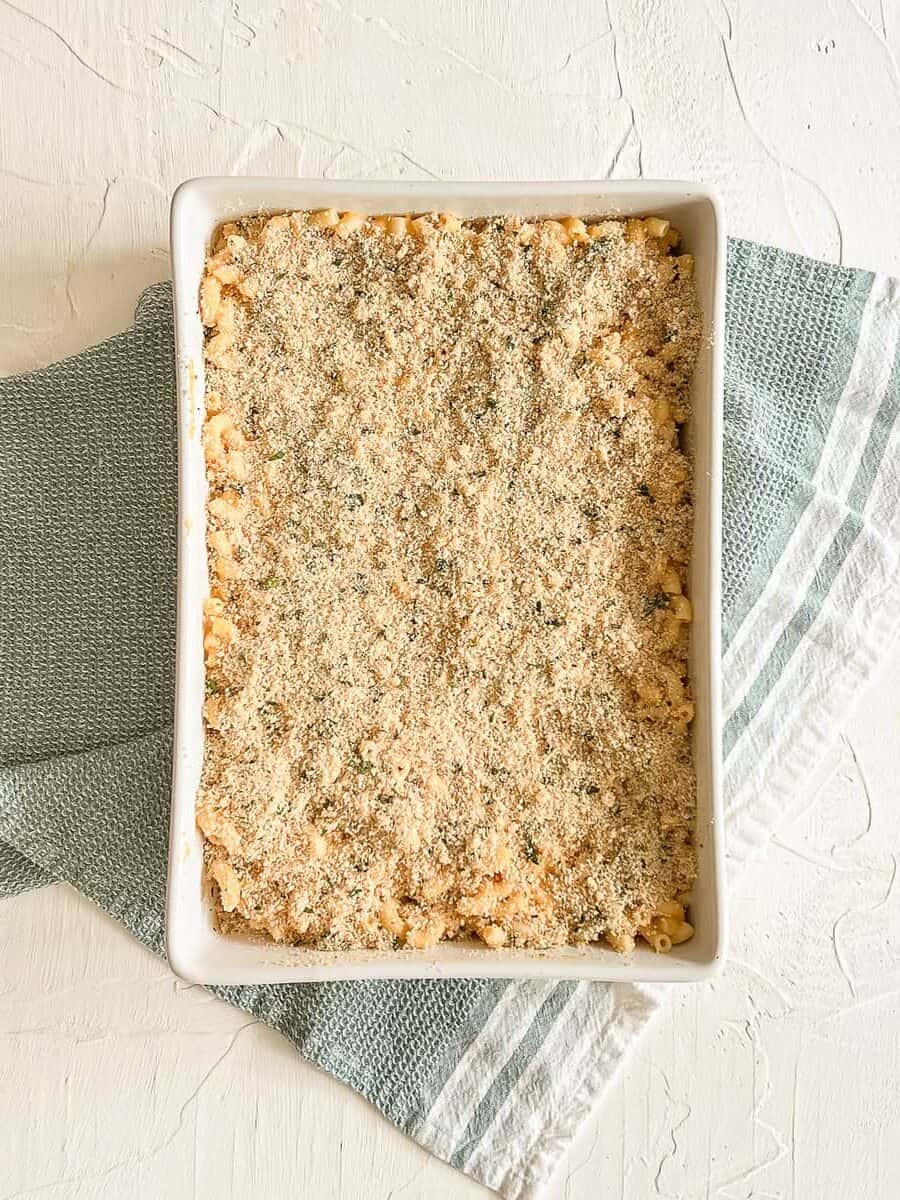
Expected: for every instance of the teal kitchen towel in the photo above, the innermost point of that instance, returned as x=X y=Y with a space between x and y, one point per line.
x=493 y=1076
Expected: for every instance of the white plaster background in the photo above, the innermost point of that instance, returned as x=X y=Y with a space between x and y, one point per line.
x=780 y=1079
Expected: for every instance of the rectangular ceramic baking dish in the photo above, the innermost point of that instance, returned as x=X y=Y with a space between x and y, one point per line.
x=196 y=951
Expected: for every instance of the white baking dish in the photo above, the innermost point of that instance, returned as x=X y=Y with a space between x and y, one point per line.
x=196 y=951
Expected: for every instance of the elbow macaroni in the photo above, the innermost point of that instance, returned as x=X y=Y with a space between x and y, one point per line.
x=237 y=478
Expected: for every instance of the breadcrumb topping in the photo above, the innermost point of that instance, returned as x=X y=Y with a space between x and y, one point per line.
x=449 y=527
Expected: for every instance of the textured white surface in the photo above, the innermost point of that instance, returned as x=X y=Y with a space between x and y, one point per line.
x=778 y=1080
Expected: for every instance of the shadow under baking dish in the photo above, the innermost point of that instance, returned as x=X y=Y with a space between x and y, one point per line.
x=197 y=952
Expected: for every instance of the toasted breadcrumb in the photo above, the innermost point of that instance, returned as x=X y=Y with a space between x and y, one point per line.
x=449 y=528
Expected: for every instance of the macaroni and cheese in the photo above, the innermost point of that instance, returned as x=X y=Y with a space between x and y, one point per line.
x=449 y=526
